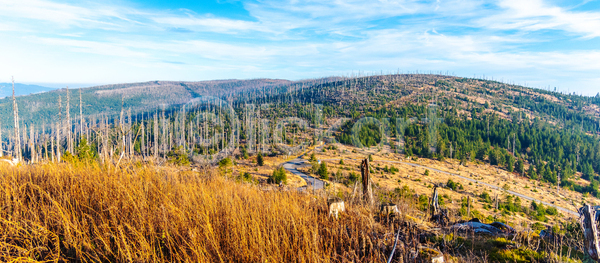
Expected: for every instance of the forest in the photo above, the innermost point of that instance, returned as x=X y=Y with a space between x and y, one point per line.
x=519 y=129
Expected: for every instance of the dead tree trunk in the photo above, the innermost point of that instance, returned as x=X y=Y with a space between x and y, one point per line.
x=32 y=152
x=143 y=139
x=468 y=206
x=434 y=202
x=80 y=114
x=17 y=145
x=68 y=125
x=129 y=134
x=589 y=226
x=155 y=135
x=58 y=129
x=366 y=181
x=1 y=143
x=52 y=146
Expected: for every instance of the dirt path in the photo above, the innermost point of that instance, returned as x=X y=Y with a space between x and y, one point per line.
x=311 y=182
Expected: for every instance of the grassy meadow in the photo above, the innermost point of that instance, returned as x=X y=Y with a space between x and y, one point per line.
x=145 y=213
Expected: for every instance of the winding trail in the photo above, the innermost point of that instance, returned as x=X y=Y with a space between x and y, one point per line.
x=311 y=182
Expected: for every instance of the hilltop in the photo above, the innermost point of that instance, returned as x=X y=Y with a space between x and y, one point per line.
x=110 y=99
x=361 y=93
x=21 y=89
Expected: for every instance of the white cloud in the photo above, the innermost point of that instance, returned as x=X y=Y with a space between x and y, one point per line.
x=7 y=27
x=534 y=15
x=293 y=39
x=93 y=47
x=210 y=24
x=53 y=14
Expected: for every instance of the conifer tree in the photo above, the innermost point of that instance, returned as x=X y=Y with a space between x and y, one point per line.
x=259 y=160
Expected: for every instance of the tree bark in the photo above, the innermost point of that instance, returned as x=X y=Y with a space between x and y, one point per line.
x=17 y=142
x=58 y=128
x=590 y=231
x=366 y=180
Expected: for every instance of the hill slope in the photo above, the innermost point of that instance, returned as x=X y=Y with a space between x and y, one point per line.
x=108 y=99
x=21 y=89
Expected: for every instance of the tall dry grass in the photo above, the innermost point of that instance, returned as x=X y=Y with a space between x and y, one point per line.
x=146 y=213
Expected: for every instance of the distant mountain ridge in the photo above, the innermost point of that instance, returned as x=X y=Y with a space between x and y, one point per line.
x=359 y=92
x=39 y=108
x=21 y=89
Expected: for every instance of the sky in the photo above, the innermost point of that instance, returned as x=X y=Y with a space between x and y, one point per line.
x=537 y=43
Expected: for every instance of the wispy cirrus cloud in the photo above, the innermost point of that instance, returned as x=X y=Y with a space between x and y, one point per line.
x=535 y=15
x=210 y=24
x=94 y=47
x=65 y=15
x=300 y=39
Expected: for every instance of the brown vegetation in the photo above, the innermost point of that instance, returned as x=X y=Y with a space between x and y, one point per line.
x=145 y=213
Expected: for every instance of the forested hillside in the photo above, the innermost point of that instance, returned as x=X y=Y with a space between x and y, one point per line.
x=544 y=135
x=109 y=99
x=540 y=134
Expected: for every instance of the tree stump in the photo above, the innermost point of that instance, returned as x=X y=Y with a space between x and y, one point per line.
x=588 y=224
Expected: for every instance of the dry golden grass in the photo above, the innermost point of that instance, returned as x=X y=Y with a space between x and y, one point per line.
x=146 y=213
x=414 y=178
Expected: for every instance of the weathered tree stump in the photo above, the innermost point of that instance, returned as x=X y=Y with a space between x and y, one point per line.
x=336 y=206
x=588 y=223
x=366 y=181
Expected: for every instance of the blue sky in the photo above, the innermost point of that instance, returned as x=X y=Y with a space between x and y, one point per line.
x=537 y=43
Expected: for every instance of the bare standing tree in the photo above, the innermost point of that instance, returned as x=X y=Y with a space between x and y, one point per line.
x=68 y=125
x=80 y=114
x=131 y=135
x=52 y=146
x=143 y=139
x=58 y=128
x=155 y=135
x=122 y=128
x=17 y=145
x=32 y=144
x=1 y=142
x=45 y=140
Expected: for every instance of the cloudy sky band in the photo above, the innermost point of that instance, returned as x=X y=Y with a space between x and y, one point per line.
x=541 y=43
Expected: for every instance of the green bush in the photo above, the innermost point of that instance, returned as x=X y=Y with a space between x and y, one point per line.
x=551 y=211
x=423 y=202
x=392 y=170
x=178 y=156
x=85 y=153
x=353 y=178
x=279 y=176
x=246 y=177
x=260 y=160
x=225 y=166
x=452 y=185
x=322 y=172
x=68 y=157
x=245 y=153
x=225 y=162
